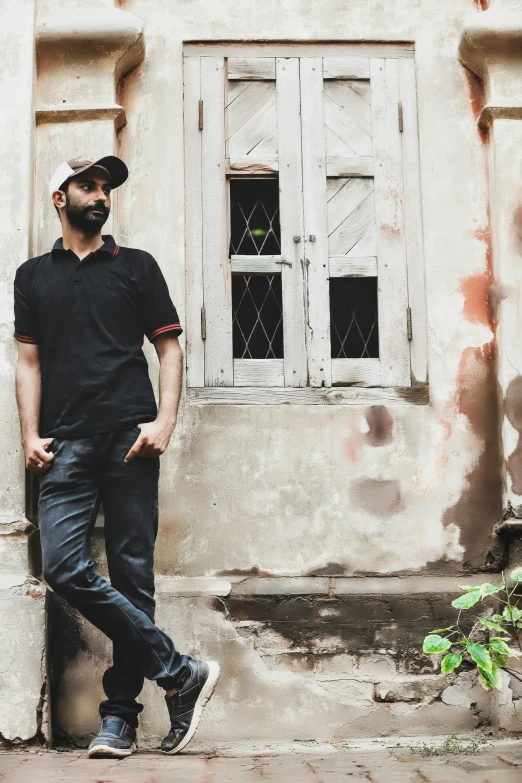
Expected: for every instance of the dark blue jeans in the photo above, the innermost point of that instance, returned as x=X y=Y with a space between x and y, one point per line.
x=85 y=472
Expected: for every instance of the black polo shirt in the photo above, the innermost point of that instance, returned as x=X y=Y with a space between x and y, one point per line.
x=89 y=318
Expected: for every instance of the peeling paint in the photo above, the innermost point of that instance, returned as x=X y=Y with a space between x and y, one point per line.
x=477 y=290
x=376 y=496
x=380 y=426
x=480 y=504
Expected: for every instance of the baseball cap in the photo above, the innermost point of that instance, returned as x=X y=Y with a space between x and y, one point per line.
x=115 y=168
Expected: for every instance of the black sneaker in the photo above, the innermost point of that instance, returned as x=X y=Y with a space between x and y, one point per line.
x=114 y=740
x=186 y=706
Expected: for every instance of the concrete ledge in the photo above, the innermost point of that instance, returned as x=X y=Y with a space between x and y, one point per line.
x=412 y=585
x=106 y=30
x=300 y=585
x=491 y=112
x=315 y=585
x=79 y=113
x=490 y=34
x=187 y=587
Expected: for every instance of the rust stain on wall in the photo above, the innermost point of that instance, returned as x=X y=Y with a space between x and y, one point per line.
x=480 y=505
x=477 y=290
x=380 y=424
x=513 y=411
x=378 y=497
x=353 y=441
x=482 y=5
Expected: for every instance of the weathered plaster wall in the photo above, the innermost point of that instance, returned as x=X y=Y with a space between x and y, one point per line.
x=329 y=659
x=311 y=493
x=242 y=486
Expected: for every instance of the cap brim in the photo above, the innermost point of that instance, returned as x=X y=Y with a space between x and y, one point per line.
x=117 y=169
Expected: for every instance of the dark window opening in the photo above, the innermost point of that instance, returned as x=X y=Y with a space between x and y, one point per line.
x=254 y=217
x=257 y=306
x=354 y=323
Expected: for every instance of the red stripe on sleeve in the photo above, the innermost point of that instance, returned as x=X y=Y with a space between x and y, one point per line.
x=24 y=339
x=169 y=328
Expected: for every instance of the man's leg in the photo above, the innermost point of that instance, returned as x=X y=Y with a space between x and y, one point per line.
x=67 y=511
x=129 y=494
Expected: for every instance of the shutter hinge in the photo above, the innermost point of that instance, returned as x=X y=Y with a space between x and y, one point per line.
x=200 y=115
x=408 y=323
x=203 y=324
x=401 y=121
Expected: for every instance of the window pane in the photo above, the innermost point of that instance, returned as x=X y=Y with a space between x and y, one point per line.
x=257 y=305
x=353 y=318
x=254 y=217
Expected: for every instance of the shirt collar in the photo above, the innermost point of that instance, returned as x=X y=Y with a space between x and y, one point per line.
x=109 y=246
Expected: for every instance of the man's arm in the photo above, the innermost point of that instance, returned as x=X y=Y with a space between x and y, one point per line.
x=155 y=435
x=28 y=394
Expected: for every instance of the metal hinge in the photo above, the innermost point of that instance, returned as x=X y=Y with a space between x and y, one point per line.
x=200 y=115
x=203 y=324
x=401 y=121
x=408 y=323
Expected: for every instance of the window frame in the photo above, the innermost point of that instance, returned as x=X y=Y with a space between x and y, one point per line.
x=308 y=368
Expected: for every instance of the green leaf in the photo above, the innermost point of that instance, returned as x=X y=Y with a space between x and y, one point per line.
x=499 y=618
x=480 y=655
x=512 y=613
x=500 y=660
x=441 y=630
x=490 y=680
x=492 y=626
x=488 y=589
x=516 y=575
x=435 y=644
x=450 y=662
x=498 y=645
x=467 y=600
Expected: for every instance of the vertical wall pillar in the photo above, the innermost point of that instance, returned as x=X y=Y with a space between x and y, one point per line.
x=491 y=47
x=22 y=598
x=81 y=54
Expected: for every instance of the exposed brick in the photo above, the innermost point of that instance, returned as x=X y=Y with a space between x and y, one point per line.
x=419 y=689
x=375 y=665
x=348 y=691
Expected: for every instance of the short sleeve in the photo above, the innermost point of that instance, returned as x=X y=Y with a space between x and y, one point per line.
x=159 y=313
x=27 y=328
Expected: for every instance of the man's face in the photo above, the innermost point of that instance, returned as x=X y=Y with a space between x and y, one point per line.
x=88 y=200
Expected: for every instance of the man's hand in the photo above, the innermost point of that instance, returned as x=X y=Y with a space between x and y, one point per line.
x=153 y=440
x=35 y=454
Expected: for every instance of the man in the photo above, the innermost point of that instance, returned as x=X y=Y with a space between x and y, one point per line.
x=92 y=431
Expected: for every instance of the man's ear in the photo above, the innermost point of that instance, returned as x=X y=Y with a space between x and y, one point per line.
x=58 y=197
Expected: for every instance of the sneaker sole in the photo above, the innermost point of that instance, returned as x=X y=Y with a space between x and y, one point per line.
x=202 y=700
x=106 y=752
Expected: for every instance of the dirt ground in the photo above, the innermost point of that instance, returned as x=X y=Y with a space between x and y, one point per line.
x=496 y=762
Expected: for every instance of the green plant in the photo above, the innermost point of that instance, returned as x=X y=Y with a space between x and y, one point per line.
x=490 y=656
x=451 y=746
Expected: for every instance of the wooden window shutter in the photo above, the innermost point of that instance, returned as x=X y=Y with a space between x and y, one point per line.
x=263 y=134
x=353 y=207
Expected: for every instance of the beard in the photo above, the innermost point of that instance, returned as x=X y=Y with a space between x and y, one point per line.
x=84 y=219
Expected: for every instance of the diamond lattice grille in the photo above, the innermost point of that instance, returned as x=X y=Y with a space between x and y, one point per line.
x=257 y=308
x=353 y=318
x=254 y=217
